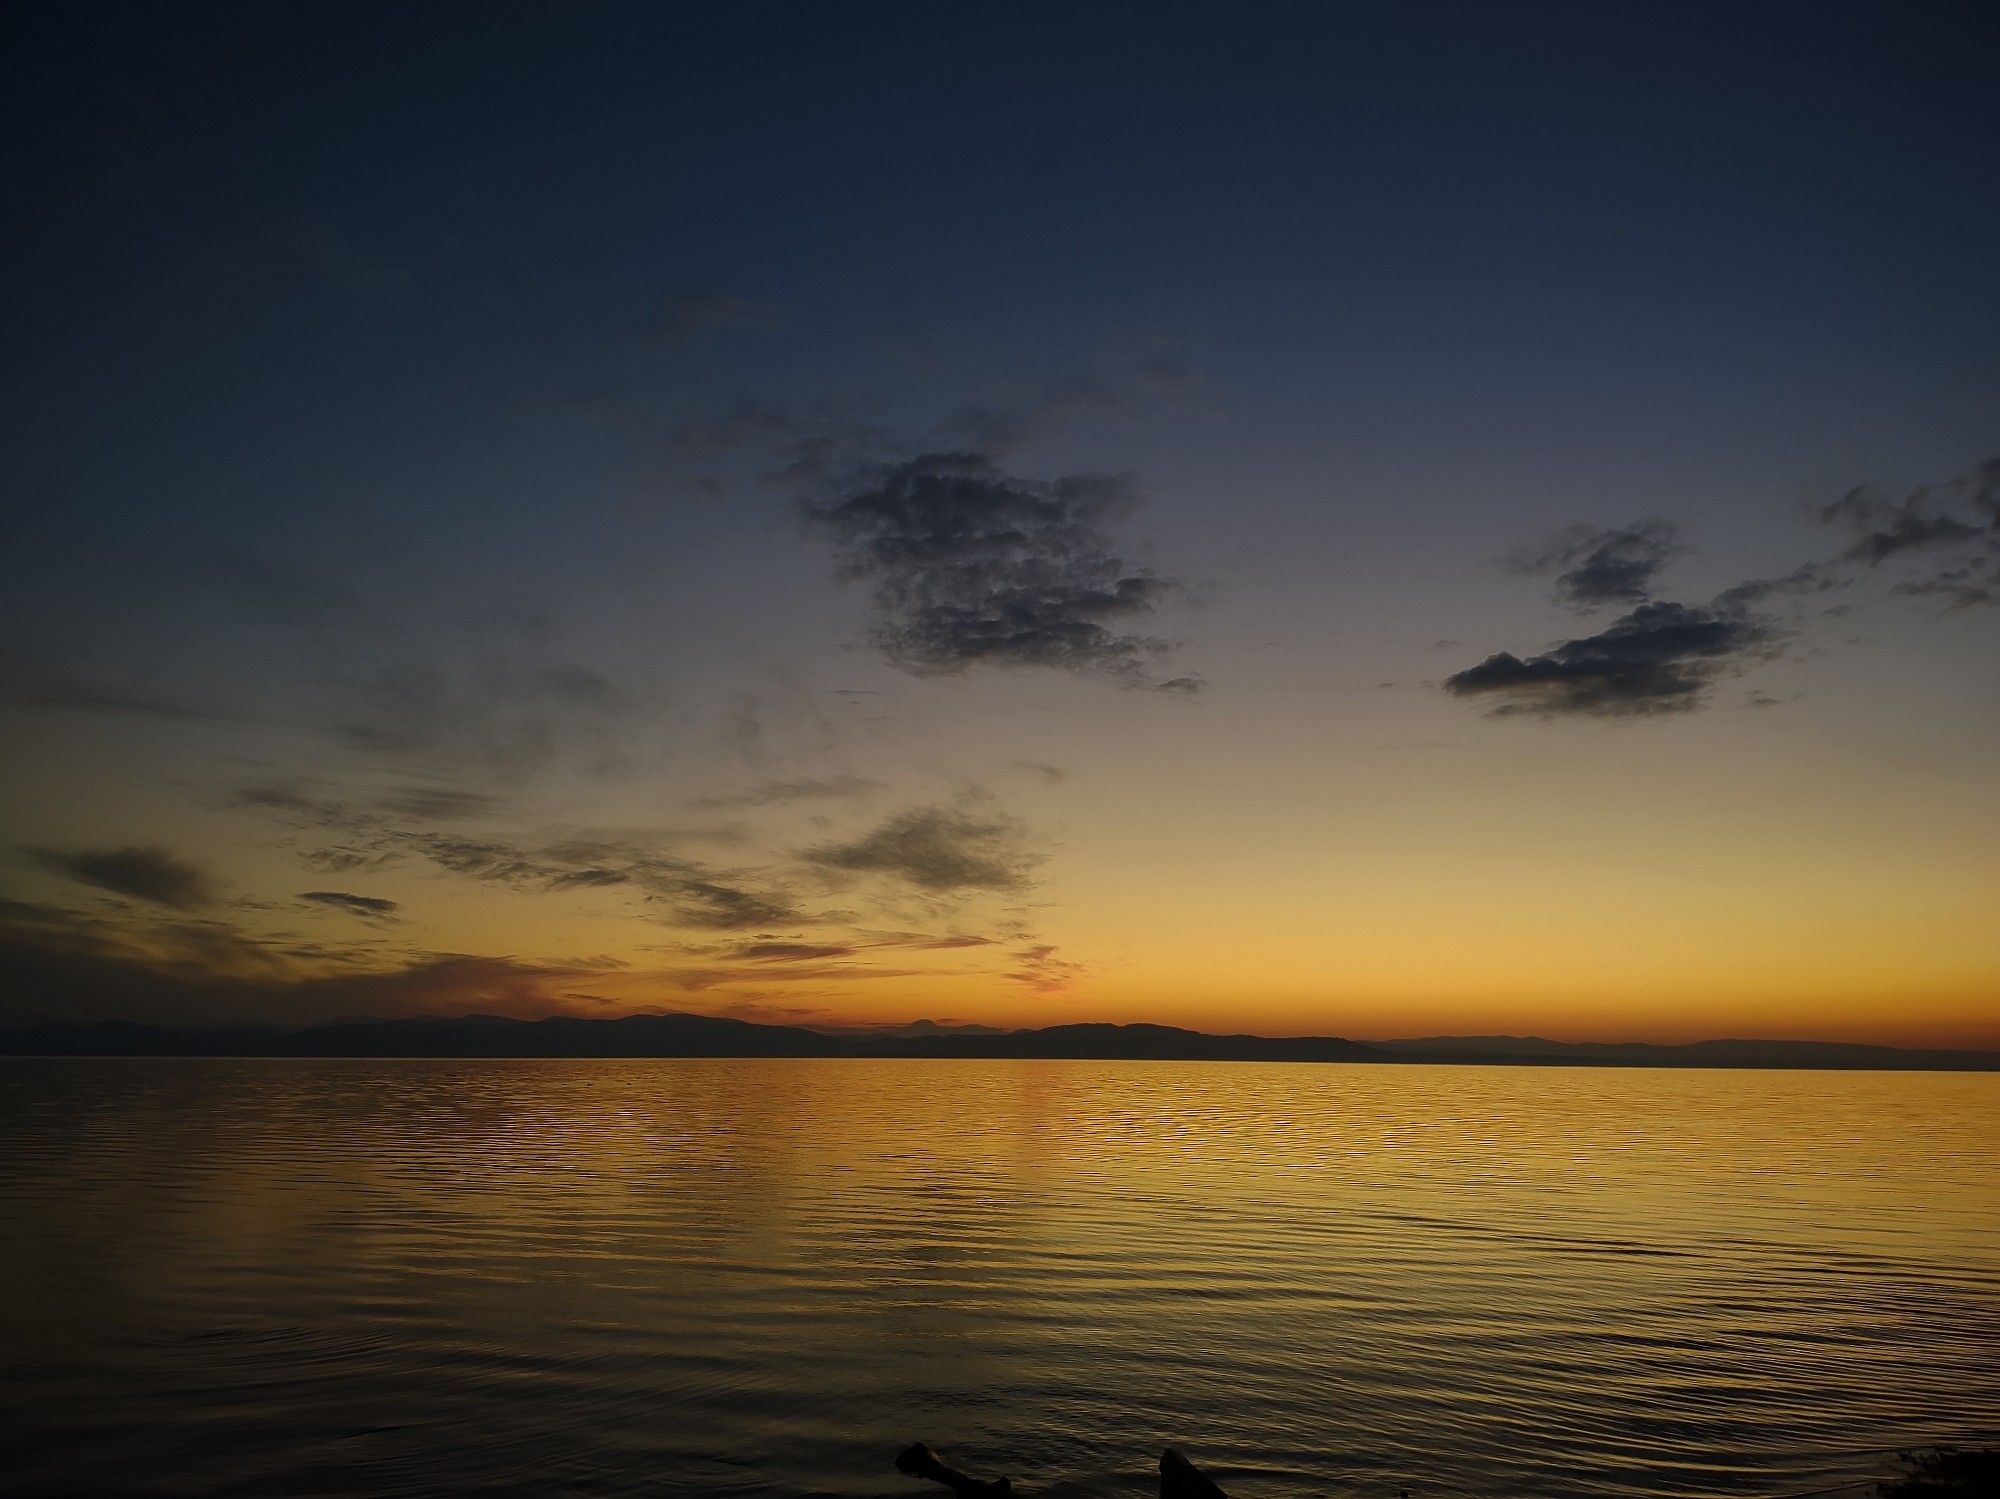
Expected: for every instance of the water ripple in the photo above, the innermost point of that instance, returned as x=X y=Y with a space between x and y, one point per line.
x=719 y=1278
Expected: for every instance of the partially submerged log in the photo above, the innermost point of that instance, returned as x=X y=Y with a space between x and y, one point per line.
x=919 y=1461
x=1945 y=1473
x=1179 y=1478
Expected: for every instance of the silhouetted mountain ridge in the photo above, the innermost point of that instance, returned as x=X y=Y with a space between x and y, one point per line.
x=1539 y=1050
x=678 y=1034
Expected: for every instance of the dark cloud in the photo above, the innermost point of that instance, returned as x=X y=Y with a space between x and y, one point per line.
x=1594 y=566
x=702 y=900
x=367 y=907
x=1953 y=528
x=1968 y=585
x=794 y=952
x=772 y=950
x=1807 y=578
x=1659 y=658
x=939 y=850
x=773 y=793
x=1662 y=657
x=972 y=567
x=1926 y=518
x=1905 y=530
x=692 y=892
x=138 y=873
x=62 y=965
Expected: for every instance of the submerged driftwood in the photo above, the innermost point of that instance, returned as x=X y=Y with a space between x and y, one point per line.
x=1945 y=1473
x=1941 y=1473
x=1179 y=1478
x=919 y=1461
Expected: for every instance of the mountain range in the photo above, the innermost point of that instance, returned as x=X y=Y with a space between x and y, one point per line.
x=685 y=1035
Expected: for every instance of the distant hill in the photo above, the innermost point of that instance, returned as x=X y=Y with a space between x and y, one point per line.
x=1538 y=1050
x=1134 y=1043
x=683 y=1035
x=671 y=1035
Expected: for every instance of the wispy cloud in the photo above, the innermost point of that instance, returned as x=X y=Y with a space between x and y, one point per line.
x=689 y=891
x=367 y=907
x=1595 y=566
x=69 y=965
x=1037 y=967
x=440 y=803
x=1660 y=658
x=938 y=850
x=772 y=793
x=137 y=873
x=1928 y=517
x=72 y=695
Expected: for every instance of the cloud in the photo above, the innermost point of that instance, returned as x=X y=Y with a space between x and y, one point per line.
x=1926 y=517
x=74 y=696
x=773 y=793
x=1953 y=526
x=1969 y=586
x=1595 y=566
x=692 y=892
x=1906 y=530
x=367 y=907
x=1807 y=578
x=137 y=873
x=697 y=899
x=975 y=567
x=1659 y=658
x=794 y=952
x=1662 y=657
x=1037 y=967
x=440 y=803
x=1047 y=774
x=438 y=693
x=61 y=965
x=939 y=850
x=771 y=950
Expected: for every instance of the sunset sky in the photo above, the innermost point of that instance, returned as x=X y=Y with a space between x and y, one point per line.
x=1376 y=521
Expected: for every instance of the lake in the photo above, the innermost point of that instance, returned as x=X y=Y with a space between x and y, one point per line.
x=716 y=1277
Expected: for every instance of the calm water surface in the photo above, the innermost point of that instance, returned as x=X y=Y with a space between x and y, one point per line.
x=732 y=1277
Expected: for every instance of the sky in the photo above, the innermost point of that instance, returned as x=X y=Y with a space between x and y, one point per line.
x=1361 y=520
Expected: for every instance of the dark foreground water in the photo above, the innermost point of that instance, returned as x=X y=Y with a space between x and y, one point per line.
x=727 y=1277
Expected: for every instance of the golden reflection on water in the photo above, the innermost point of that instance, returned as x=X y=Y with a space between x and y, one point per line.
x=416 y=1277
